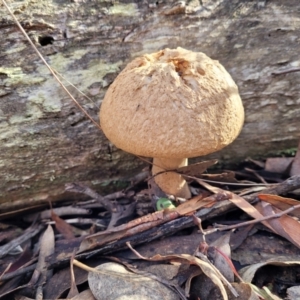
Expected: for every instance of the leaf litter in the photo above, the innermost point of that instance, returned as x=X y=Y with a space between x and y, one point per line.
x=247 y=203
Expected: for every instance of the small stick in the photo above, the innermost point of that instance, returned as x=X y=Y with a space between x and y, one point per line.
x=80 y=188
x=6 y=269
x=277 y=215
x=28 y=233
x=257 y=175
x=282 y=188
x=18 y=272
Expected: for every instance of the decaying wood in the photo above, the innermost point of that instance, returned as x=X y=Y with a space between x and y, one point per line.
x=47 y=142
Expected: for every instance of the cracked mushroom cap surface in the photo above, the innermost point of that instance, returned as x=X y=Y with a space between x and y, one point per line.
x=173 y=103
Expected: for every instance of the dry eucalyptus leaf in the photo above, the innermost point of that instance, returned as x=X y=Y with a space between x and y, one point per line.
x=207 y=268
x=62 y=226
x=46 y=249
x=285 y=225
x=113 y=281
x=85 y=295
x=221 y=258
x=281 y=203
x=248 y=273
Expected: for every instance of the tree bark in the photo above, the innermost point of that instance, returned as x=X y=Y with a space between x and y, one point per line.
x=46 y=141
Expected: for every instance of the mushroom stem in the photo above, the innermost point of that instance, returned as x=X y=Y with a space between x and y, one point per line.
x=171 y=182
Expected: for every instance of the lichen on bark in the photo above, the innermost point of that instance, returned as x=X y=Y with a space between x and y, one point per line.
x=47 y=142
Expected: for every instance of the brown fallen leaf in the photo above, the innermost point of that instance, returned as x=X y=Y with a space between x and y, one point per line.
x=62 y=226
x=284 y=226
x=281 y=203
x=238 y=201
x=194 y=204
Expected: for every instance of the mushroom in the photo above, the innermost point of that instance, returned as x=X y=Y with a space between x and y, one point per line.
x=172 y=105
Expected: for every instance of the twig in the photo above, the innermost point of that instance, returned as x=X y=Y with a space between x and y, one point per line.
x=277 y=215
x=28 y=233
x=18 y=272
x=80 y=188
x=115 y=195
x=257 y=175
x=225 y=183
x=281 y=188
x=6 y=269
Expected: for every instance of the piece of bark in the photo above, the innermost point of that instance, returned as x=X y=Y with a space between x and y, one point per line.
x=47 y=142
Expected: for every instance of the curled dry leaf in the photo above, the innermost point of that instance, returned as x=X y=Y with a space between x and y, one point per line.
x=285 y=225
x=281 y=203
x=208 y=269
x=248 y=273
x=238 y=201
x=112 y=280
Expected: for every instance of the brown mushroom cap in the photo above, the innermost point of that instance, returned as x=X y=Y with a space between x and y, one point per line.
x=174 y=103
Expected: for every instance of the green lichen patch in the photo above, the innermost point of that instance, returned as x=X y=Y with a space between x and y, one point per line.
x=129 y=9
x=15 y=77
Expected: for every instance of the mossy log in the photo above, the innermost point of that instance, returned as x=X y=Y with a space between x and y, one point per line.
x=46 y=141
